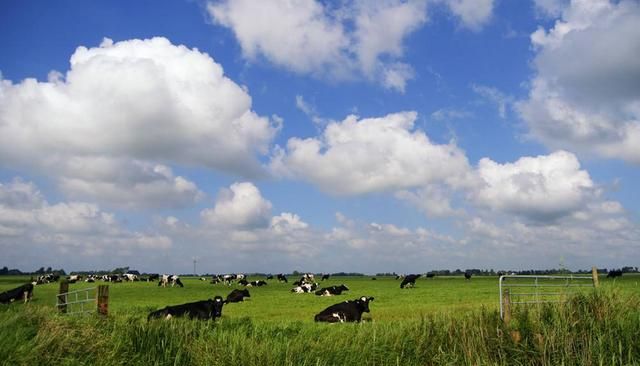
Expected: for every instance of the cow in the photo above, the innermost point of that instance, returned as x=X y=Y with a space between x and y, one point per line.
x=237 y=296
x=399 y=277
x=409 y=280
x=431 y=275
x=347 y=311
x=153 y=277
x=130 y=277
x=170 y=279
x=331 y=291
x=243 y=282
x=501 y=273
x=229 y=278
x=305 y=288
x=21 y=292
x=257 y=283
x=46 y=278
x=91 y=279
x=205 y=309
x=203 y=279
x=467 y=275
x=325 y=277
x=74 y=278
x=269 y=277
x=373 y=278
x=614 y=273
x=282 y=278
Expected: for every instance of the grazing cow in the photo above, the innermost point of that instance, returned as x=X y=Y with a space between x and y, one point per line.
x=282 y=278
x=229 y=278
x=170 y=279
x=399 y=277
x=269 y=277
x=91 y=279
x=467 y=275
x=331 y=291
x=21 y=292
x=373 y=278
x=614 y=273
x=305 y=288
x=347 y=311
x=325 y=277
x=153 y=277
x=130 y=277
x=257 y=283
x=431 y=275
x=243 y=282
x=237 y=295
x=205 y=309
x=409 y=280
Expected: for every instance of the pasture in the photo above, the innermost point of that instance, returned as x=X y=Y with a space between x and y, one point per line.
x=445 y=320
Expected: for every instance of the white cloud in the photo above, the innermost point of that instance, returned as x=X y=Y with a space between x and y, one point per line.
x=240 y=206
x=501 y=100
x=433 y=200
x=133 y=101
x=373 y=154
x=591 y=106
x=31 y=229
x=542 y=188
x=362 y=39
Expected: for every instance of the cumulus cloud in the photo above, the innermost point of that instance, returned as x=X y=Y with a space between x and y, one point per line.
x=240 y=206
x=363 y=39
x=432 y=200
x=591 y=106
x=31 y=229
x=133 y=101
x=541 y=188
x=358 y=156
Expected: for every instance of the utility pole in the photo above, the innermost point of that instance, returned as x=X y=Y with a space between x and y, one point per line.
x=194 y=266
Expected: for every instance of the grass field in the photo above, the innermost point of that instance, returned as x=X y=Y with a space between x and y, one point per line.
x=445 y=320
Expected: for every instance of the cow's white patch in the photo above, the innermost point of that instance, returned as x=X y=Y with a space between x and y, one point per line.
x=168 y=317
x=363 y=298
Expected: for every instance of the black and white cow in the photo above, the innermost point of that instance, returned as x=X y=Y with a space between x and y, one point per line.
x=467 y=275
x=229 y=278
x=325 y=277
x=347 y=311
x=130 y=277
x=46 y=278
x=174 y=280
x=243 y=282
x=21 y=292
x=257 y=283
x=331 y=291
x=269 y=277
x=91 y=279
x=205 y=309
x=305 y=288
x=237 y=295
x=74 y=278
x=409 y=280
x=282 y=278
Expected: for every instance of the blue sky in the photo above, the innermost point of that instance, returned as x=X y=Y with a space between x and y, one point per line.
x=319 y=136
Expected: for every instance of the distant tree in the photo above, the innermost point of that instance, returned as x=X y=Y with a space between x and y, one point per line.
x=49 y=270
x=4 y=271
x=40 y=270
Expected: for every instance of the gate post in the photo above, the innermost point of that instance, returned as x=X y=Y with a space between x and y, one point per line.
x=506 y=317
x=102 y=299
x=62 y=297
x=594 y=275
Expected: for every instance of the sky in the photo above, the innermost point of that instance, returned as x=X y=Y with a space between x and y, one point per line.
x=323 y=136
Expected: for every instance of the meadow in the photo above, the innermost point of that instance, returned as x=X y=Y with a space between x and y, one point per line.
x=445 y=320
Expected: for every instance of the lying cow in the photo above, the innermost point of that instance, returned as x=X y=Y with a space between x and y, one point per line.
x=409 y=280
x=205 y=309
x=305 y=288
x=347 y=311
x=22 y=292
x=257 y=283
x=237 y=296
x=331 y=291
x=614 y=273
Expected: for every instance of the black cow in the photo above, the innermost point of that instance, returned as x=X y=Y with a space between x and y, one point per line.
x=409 y=280
x=333 y=290
x=347 y=311
x=325 y=277
x=243 y=282
x=373 y=278
x=269 y=277
x=205 y=309
x=614 y=273
x=21 y=292
x=431 y=275
x=467 y=275
x=237 y=296
x=257 y=283
x=501 y=273
x=282 y=278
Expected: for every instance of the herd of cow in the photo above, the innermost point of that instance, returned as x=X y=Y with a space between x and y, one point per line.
x=346 y=311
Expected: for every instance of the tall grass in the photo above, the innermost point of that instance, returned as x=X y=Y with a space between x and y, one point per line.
x=599 y=328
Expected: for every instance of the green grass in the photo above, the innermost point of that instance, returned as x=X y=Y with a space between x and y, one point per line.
x=441 y=321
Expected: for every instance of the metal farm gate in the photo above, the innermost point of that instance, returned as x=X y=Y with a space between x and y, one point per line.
x=83 y=301
x=533 y=289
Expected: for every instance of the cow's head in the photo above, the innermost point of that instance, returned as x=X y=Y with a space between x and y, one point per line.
x=218 y=302
x=343 y=287
x=363 y=303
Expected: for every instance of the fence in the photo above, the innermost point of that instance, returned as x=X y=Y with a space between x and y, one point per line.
x=83 y=301
x=531 y=289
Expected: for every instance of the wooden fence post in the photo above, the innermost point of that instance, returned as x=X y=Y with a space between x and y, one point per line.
x=102 y=298
x=62 y=297
x=506 y=306
x=594 y=274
